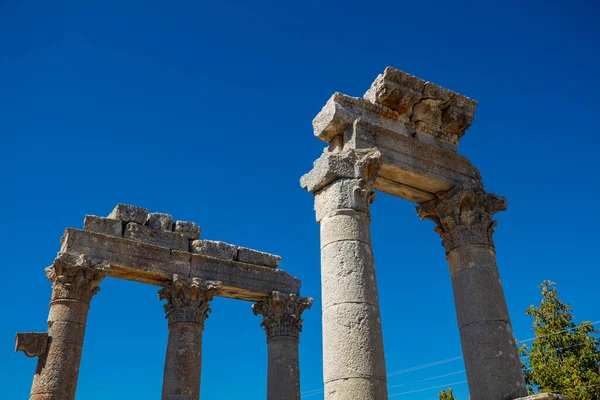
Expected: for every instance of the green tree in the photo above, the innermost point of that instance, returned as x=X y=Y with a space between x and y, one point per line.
x=446 y=395
x=564 y=358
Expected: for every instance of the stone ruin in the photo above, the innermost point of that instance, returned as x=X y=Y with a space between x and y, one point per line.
x=400 y=138
x=134 y=245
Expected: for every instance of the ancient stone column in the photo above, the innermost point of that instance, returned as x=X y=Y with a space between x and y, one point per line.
x=74 y=282
x=187 y=308
x=464 y=220
x=353 y=358
x=282 y=323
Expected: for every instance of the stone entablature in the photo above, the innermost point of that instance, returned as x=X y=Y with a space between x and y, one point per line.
x=416 y=126
x=145 y=254
x=282 y=314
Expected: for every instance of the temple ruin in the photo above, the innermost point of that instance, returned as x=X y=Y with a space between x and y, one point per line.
x=400 y=138
x=134 y=245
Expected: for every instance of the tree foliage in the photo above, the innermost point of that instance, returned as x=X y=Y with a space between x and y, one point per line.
x=564 y=357
x=446 y=395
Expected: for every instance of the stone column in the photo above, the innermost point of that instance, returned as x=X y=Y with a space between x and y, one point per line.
x=282 y=323
x=74 y=282
x=187 y=308
x=464 y=220
x=353 y=358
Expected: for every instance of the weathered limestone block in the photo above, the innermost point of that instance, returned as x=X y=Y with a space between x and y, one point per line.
x=215 y=249
x=396 y=90
x=145 y=234
x=33 y=344
x=341 y=111
x=188 y=229
x=146 y=263
x=256 y=257
x=129 y=213
x=105 y=226
x=160 y=222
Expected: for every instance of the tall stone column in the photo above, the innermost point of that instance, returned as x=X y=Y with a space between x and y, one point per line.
x=282 y=323
x=464 y=220
x=353 y=359
x=187 y=308
x=74 y=282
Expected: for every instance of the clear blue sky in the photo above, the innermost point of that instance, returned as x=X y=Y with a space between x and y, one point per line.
x=203 y=110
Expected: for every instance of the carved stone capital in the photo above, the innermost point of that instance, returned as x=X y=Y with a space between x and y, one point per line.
x=33 y=344
x=463 y=215
x=282 y=314
x=188 y=299
x=76 y=277
x=343 y=179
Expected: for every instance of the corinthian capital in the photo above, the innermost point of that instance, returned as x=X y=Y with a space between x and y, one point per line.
x=282 y=314
x=76 y=277
x=188 y=299
x=463 y=215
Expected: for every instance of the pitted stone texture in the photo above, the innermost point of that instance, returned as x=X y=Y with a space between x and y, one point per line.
x=283 y=374
x=160 y=222
x=348 y=274
x=443 y=115
x=356 y=389
x=105 y=226
x=353 y=342
x=492 y=361
x=188 y=229
x=129 y=213
x=341 y=110
x=256 y=257
x=145 y=234
x=345 y=225
x=33 y=344
x=215 y=249
x=478 y=296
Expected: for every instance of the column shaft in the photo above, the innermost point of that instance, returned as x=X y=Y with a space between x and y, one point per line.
x=464 y=218
x=353 y=357
x=491 y=357
x=75 y=281
x=282 y=323
x=187 y=308
x=283 y=375
x=57 y=370
x=183 y=362
x=342 y=181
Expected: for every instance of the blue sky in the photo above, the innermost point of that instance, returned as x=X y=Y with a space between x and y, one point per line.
x=203 y=111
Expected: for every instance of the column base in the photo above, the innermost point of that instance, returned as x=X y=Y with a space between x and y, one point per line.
x=545 y=396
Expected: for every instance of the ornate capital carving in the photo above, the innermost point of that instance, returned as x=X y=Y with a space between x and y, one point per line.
x=76 y=277
x=281 y=314
x=343 y=180
x=463 y=215
x=188 y=299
